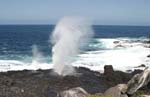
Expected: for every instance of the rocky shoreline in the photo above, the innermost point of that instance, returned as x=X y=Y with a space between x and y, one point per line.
x=44 y=83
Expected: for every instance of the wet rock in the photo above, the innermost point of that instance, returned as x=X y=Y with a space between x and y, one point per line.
x=51 y=93
x=142 y=65
x=116 y=42
x=148 y=56
x=129 y=71
x=147 y=41
x=121 y=46
x=74 y=92
x=117 y=91
x=137 y=71
x=138 y=81
x=108 y=69
x=42 y=83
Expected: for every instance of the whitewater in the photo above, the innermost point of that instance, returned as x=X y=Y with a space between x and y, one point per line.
x=123 y=53
x=28 y=47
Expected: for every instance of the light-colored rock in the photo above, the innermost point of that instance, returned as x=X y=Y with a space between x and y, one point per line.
x=138 y=81
x=117 y=91
x=74 y=92
x=145 y=96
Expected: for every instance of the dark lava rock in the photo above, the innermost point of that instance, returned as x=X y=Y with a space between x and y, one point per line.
x=117 y=77
x=148 y=85
x=108 y=69
x=120 y=46
x=90 y=79
x=42 y=83
x=115 y=42
x=137 y=71
x=148 y=42
x=142 y=65
x=51 y=93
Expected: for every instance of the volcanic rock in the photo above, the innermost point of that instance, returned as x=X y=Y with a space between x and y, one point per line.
x=116 y=42
x=137 y=71
x=142 y=65
x=43 y=83
x=108 y=69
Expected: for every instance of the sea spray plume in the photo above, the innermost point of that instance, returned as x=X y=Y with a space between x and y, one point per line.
x=37 y=56
x=68 y=36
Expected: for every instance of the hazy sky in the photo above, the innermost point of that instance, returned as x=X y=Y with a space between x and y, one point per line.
x=110 y=12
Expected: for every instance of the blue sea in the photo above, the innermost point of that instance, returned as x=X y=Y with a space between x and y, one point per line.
x=124 y=47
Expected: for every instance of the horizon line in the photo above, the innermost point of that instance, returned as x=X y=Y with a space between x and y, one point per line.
x=56 y=24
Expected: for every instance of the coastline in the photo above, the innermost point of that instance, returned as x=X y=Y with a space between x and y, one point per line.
x=43 y=83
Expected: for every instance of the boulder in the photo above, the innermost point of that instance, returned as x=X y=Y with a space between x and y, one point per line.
x=138 y=81
x=74 y=92
x=117 y=91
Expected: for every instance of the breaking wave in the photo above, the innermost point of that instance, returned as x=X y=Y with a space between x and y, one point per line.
x=123 y=53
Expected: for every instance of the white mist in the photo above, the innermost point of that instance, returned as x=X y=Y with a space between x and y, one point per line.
x=37 y=57
x=68 y=36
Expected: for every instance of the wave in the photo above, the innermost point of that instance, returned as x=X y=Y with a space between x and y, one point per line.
x=15 y=65
x=123 y=53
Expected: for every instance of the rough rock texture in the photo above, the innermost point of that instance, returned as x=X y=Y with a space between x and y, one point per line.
x=117 y=91
x=108 y=69
x=74 y=92
x=138 y=81
x=43 y=83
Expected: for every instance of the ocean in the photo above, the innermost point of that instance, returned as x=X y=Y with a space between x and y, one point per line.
x=124 y=47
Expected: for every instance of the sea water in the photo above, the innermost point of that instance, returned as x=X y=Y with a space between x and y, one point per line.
x=124 y=47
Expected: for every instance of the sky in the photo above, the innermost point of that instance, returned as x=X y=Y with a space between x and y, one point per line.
x=103 y=12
